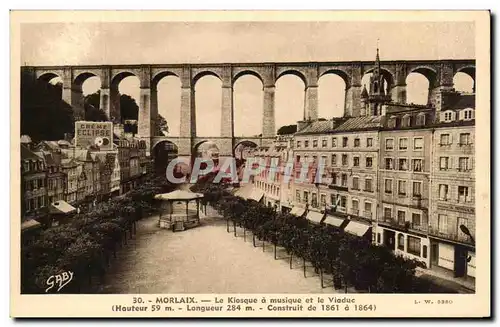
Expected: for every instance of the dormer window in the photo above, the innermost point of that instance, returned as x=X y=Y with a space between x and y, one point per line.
x=406 y=122
x=468 y=114
x=392 y=122
x=448 y=116
x=420 y=119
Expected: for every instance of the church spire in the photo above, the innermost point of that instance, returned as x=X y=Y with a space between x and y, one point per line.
x=377 y=59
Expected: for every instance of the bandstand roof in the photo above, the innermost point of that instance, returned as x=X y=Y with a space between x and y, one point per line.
x=179 y=195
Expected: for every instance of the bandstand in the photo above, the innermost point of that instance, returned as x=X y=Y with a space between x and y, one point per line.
x=180 y=210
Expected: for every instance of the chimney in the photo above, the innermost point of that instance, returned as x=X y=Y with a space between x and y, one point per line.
x=301 y=124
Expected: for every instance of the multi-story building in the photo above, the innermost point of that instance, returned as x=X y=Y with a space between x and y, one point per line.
x=33 y=184
x=56 y=178
x=452 y=219
x=89 y=178
x=104 y=171
x=115 y=173
x=82 y=190
x=405 y=170
x=145 y=164
x=404 y=180
x=135 y=168
x=123 y=146
x=276 y=187
x=347 y=149
x=70 y=169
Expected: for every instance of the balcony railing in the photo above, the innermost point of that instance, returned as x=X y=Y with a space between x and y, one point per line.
x=404 y=224
x=450 y=235
x=355 y=212
x=338 y=187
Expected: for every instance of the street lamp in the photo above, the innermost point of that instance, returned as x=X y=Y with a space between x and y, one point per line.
x=466 y=231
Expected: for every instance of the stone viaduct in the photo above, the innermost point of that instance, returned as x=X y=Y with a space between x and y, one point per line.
x=439 y=73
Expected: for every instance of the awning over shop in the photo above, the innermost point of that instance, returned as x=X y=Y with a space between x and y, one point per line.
x=357 y=228
x=29 y=224
x=243 y=192
x=61 y=206
x=314 y=216
x=334 y=221
x=256 y=195
x=297 y=211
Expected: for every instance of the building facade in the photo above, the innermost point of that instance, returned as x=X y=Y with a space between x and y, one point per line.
x=70 y=169
x=452 y=220
x=33 y=184
x=272 y=178
x=404 y=181
x=405 y=170
x=344 y=152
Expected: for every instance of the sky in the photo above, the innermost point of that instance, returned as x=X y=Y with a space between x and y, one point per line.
x=239 y=42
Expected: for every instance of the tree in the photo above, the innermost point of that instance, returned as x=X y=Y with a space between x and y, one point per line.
x=287 y=129
x=84 y=245
x=93 y=112
x=129 y=110
x=44 y=115
x=352 y=261
x=161 y=125
x=93 y=99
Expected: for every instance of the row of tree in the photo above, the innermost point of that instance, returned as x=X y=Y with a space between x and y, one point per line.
x=350 y=260
x=87 y=244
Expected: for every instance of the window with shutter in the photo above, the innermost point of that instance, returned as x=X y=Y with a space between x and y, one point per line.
x=443 y=223
x=443 y=192
x=355 y=183
x=387 y=213
x=418 y=143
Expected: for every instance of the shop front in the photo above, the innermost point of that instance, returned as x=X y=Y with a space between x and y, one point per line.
x=409 y=245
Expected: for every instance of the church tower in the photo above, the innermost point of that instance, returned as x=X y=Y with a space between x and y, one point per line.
x=377 y=96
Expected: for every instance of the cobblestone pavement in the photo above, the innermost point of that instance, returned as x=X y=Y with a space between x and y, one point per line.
x=204 y=259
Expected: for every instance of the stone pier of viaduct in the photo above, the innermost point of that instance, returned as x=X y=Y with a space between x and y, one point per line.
x=439 y=73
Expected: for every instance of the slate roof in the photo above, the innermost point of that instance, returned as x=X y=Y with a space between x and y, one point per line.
x=342 y=125
x=465 y=101
x=27 y=154
x=321 y=126
x=360 y=123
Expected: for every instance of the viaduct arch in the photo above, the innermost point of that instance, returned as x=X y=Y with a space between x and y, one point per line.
x=440 y=74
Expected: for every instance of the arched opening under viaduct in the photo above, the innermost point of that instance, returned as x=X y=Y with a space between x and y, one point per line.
x=420 y=84
x=289 y=99
x=124 y=100
x=464 y=80
x=248 y=104
x=208 y=101
x=331 y=94
x=166 y=95
x=163 y=153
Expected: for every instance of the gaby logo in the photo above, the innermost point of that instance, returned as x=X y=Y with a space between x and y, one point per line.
x=59 y=280
x=228 y=171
